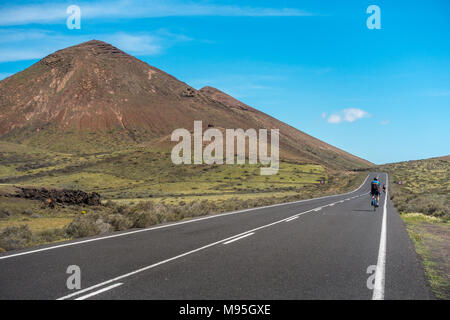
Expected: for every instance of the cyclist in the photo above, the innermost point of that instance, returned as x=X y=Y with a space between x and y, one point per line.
x=375 y=189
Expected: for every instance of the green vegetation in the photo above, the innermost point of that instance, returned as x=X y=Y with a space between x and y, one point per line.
x=423 y=200
x=25 y=222
x=30 y=222
x=431 y=237
x=140 y=187
x=139 y=173
x=71 y=141
x=425 y=186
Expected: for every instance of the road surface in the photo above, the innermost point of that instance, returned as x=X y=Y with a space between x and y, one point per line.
x=325 y=248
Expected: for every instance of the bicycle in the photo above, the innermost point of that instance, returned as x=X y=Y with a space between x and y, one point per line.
x=374 y=203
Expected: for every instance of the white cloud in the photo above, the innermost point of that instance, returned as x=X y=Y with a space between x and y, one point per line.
x=14 y=35
x=20 y=44
x=136 y=44
x=21 y=15
x=7 y=55
x=334 y=118
x=51 y=12
x=348 y=115
x=353 y=114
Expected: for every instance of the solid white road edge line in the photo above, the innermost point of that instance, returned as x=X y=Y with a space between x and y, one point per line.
x=239 y=238
x=99 y=291
x=290 y=219
x=179 y=256
x=378 y=290
x=172 y=224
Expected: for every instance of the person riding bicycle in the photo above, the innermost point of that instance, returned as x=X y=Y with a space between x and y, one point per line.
x=375 y=189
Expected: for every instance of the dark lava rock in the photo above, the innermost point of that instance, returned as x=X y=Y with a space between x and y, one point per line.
x=63 y=196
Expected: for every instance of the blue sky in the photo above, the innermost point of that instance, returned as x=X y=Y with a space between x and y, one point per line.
x=383 y=95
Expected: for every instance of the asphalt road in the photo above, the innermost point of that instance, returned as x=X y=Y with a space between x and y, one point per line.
x=325 y=248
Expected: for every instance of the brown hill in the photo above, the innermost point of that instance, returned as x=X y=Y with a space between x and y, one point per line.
x=294 y=142
x=95 y=89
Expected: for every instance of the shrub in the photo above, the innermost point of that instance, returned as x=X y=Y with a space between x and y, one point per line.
x=122 y=209
x=104 y=227
x=6 y=212
x=144 y=206
x=3 y=215
x=161 y=209
x=51 y=235
x=28 y=212
x=435 y=205
x=82 y=226
x=12 y=238
x=144 y=219
x=119 y=222
x=110 y=204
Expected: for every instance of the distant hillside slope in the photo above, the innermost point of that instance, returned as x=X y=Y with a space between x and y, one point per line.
x=424 y=188
x=423 y=200
x=295 y=142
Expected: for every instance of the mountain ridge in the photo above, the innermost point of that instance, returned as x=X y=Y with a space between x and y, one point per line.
x=96 y=89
